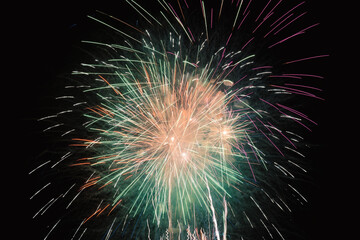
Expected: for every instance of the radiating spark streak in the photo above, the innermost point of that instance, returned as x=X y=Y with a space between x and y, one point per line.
x=146 y=12
x=302 y=155
x=287 y=116
x=278 y=231
x=192 y=36
x=272 y=142
x=67 y=132
x=47 y=117
x=296 y=112
x=243 y=20
x=287 y=38
x=77 y=229
x=285 y=204
x=299 y=92
x=181 y=24
x=41 y=165
x=290 y=23
x=247 y=43
x=52 y=229
x=287 y=139
x=115 y=206
x=204 y=15
x=247 y=218
x=213 y=212
x=50 y=204
x=237 y=14
x=181 y=11
x=272 y=10
x=92 y=215
x=302 y=75
x=65 y=156
x=74 y=198
x=139 y=12
x=82 y=234
x=43 y=207
x=297 y=166
x=110 y=230
x=62 y=112
x=297 y=192
x=115 y=90
x=283 y=170
x=65 y=97
x=167 y=20
x=54 y=126
x=266 y=228
x=277 y=25
x=307 y=58
x=117 y=19
x=247 y=6
x=294 y=35
x=262 y=11
x=69 y=190
x=113 y=28
x=257 y=205
x=174 y=12
x=287 y=13
x=112 y=46
x=39 y=190
x=221 y=7
x=303 y=86
x=225 y=219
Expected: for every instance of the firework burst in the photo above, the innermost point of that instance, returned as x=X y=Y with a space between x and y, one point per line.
x=179 y=130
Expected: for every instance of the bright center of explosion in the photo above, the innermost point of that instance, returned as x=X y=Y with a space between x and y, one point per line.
x=189 y=127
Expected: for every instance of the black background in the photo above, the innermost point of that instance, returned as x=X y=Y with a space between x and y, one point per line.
x=50 y=34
